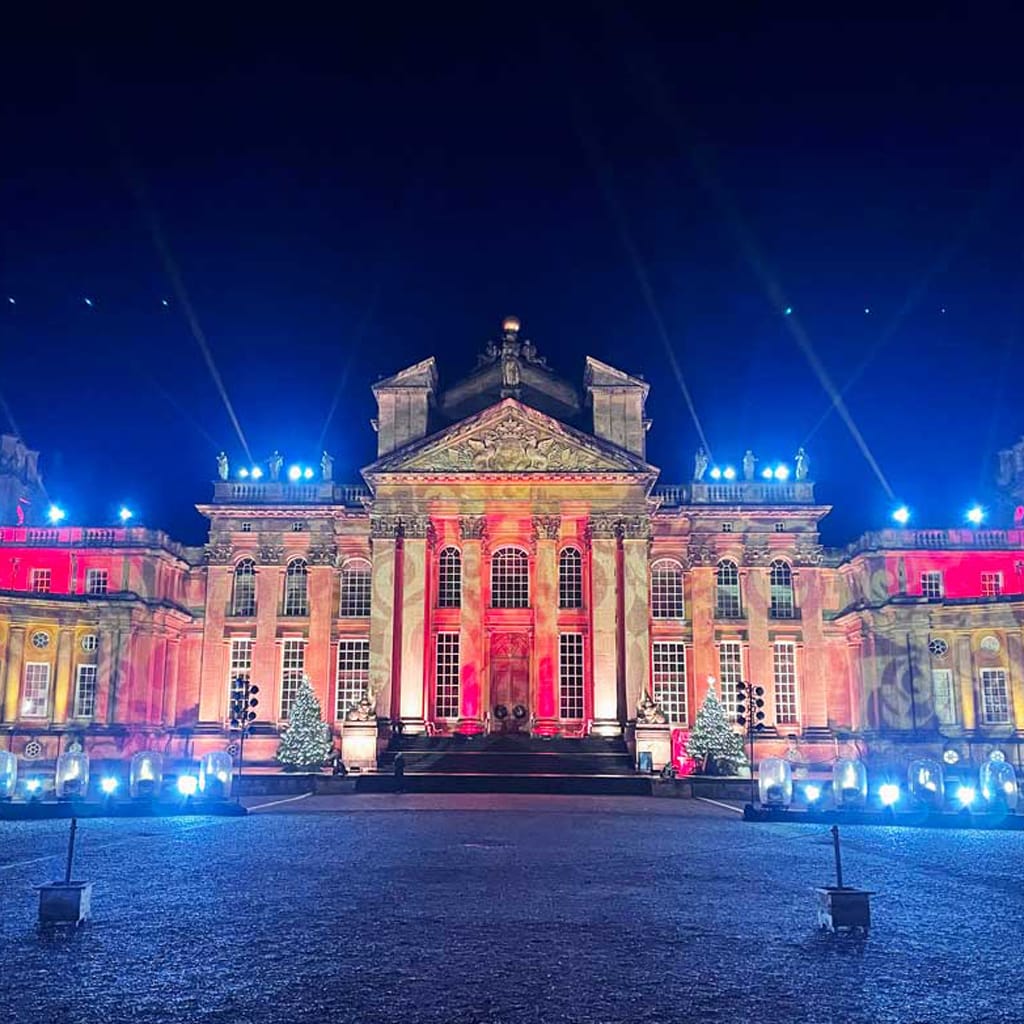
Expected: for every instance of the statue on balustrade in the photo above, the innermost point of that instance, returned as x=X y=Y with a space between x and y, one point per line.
x=803 y=464
x=222 y=465
x=749 y=462
x=700 y=463
x=275 y=462
x=327 y=466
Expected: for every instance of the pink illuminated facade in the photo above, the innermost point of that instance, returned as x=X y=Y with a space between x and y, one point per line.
x=511 y=563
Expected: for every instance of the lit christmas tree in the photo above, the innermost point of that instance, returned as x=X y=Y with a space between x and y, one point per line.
x=306 y=742
x=714 y=743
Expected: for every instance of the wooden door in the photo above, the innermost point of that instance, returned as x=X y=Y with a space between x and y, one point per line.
x=510 y=681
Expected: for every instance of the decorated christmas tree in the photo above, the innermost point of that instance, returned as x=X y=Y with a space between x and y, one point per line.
x=713 y=743
x=306 y=742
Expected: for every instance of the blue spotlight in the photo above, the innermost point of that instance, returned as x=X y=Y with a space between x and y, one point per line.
x=782 y=472
x=716 y=473
x=108 y=785
x=55 y=514
x=901 y=515
x=767 y=472
x=307 y=473
x=888 y=793
x=729 y=473
x=975 y=515
x=187 y=785
x=256 y=472
x=125 y=513
x=812 y=792
x=966 y=795
x=294 y=472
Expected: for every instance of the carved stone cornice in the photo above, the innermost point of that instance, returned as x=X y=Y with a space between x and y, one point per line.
x=415 y=527
x=473 y=527
x=756 y=554
x=385 y=527
x=324 y=555
x=270 y=554
x=547 y=527
x=702 y=554
x=808 y=553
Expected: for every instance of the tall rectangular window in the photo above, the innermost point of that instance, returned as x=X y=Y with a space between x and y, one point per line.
x=240 y=666
x=667 y=590
x=668 y=679
x=35 y=696
x=85 y=692
x=356 y=588
x=991 y=584
x=943 y=696
x=995 y=697
x=727 y=590
x=446 y=675
x=931 y=585
x=784 y=673
x=293 y=665
x=570 y=579
x=570 y=675
x=40 y=581
x=353 y=674
x=730 y=672
x=449 y=578
x=96 y=581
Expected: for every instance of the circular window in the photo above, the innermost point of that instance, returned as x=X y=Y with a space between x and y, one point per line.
x=990 y=644
x=938 y=647
x=33 y=749
x=90 y=642
x=950 y=756
x=40 y=639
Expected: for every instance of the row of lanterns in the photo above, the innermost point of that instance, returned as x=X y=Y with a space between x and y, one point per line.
x=926 y=786
x=145 y=777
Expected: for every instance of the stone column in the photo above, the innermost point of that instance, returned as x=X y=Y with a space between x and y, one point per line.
x=473 y=530
x=604 y=625
x=63 y=682
x=266 y=653
x=15 y=659
x=414 y=621
x=964 y=665
x=637 y=587
x=322 y=613
x=383 y=533
x=545 y=621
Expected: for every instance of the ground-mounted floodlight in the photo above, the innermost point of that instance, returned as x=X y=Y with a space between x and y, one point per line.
x=775 y=782
x=72 y=774
x=146 y=774
x=849 y=783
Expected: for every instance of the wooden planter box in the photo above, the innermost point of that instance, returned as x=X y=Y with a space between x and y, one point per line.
x=844 y=908
x=65 y=902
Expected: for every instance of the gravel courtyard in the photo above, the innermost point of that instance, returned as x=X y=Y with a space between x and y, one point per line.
x=506 y=908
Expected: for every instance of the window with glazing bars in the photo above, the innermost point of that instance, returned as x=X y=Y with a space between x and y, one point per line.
x=240 y=660
x=293 y=664
x=449 y=578
x=96 y=581
x=510 y=579
x=355 y=590
x=570 y=579
x=931 y=585
x=668 y=679
x=995 y=697
x=353 y=674
x=780 y=579
x=570 y=675
x=35 y=697
x=40 y=581
x=784 y=670
x=667 y=590
x=730 y=672
x=727 y=590
x=991 y=584
x=296 y=578
x=446 y=675
x=243 y=595
x=84 y=705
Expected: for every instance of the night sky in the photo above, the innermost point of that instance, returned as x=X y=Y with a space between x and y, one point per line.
x=342 y=198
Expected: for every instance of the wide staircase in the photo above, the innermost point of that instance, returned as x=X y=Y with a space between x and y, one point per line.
x=510 y=763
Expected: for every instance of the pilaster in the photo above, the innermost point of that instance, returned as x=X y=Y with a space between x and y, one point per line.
x=604 y=625
x=15 y=660
x=63 y=683
x=473 y=530
x=545 y=619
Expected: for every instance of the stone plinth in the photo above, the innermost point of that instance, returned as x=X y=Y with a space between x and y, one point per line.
x=359 y=745
x=65 y=902
x=655 y=740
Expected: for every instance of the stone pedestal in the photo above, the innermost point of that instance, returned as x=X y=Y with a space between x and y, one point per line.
x=65 y=902
x=655 y=740
x=359 y=745
x=844 y=908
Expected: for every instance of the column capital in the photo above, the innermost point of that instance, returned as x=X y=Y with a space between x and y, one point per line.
x=473 y=527
x=604 y=527
x=385 y=527
x=636 y=527
x=547 y=527
x=416 y=527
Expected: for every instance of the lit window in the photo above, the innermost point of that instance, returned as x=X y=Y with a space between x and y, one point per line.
x=995 y=697
x=85 y=692
x=570 y=579
x=991 y=584
x=298 y=526
x=784 y=674
x=727 y=590
x=243 y=596
x=667 y=590
x=40 y=581
x=780 y=527
x=293 y=664
x=296 y=578
x=246 y=527
x=446 y=676
x=449 y=578
x=668 y=679
x=730 y=672
x=355 y=589
x=35 y=696
x=353 y=674
x=96 y=581
x=931 y=585
x=727 y=527
x=510 y=579
x=944 y=696
x=780 y=578
x=240 y=661
x=570 y=675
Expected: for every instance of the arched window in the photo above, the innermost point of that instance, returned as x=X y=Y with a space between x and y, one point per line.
x=570 y=579
x=780 y=577
x=727 y=590
x=510 y=579
x=355 y=589
x=667 y=590
x=296 y=600
x=449 y=578
x=243 y=594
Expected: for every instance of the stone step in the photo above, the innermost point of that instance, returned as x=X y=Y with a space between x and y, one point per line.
x=591 y=785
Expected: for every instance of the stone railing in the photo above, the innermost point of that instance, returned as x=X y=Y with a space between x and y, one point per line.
x=284 y=492
x=87 y=536
x=881 y=540
x=736 y=492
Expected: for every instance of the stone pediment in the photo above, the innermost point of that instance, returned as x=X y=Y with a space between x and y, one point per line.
x=510 y=438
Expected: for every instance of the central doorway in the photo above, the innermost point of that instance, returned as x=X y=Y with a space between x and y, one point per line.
x=510 y=682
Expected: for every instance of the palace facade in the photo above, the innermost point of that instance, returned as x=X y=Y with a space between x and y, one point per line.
x=510 y=562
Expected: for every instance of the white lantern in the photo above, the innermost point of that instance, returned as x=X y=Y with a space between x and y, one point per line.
x=215 y=771
x=775 y=782
x=72 y=776
x=8 y=774
x=147 y=773
x=925 y=780
x=999 y=784
x=849 y=783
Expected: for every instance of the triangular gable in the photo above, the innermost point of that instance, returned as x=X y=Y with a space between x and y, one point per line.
x=509 y=437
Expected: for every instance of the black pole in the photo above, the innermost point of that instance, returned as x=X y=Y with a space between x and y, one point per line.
x=913 y=699
x=241 y=761
x=750 y=733
x=71 y=852
x=839 y=859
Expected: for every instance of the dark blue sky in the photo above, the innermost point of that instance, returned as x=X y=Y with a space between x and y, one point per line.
x=345 y=197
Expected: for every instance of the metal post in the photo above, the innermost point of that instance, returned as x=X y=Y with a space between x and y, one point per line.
x=71 y=851
x=839 y=859
x=750 y=733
